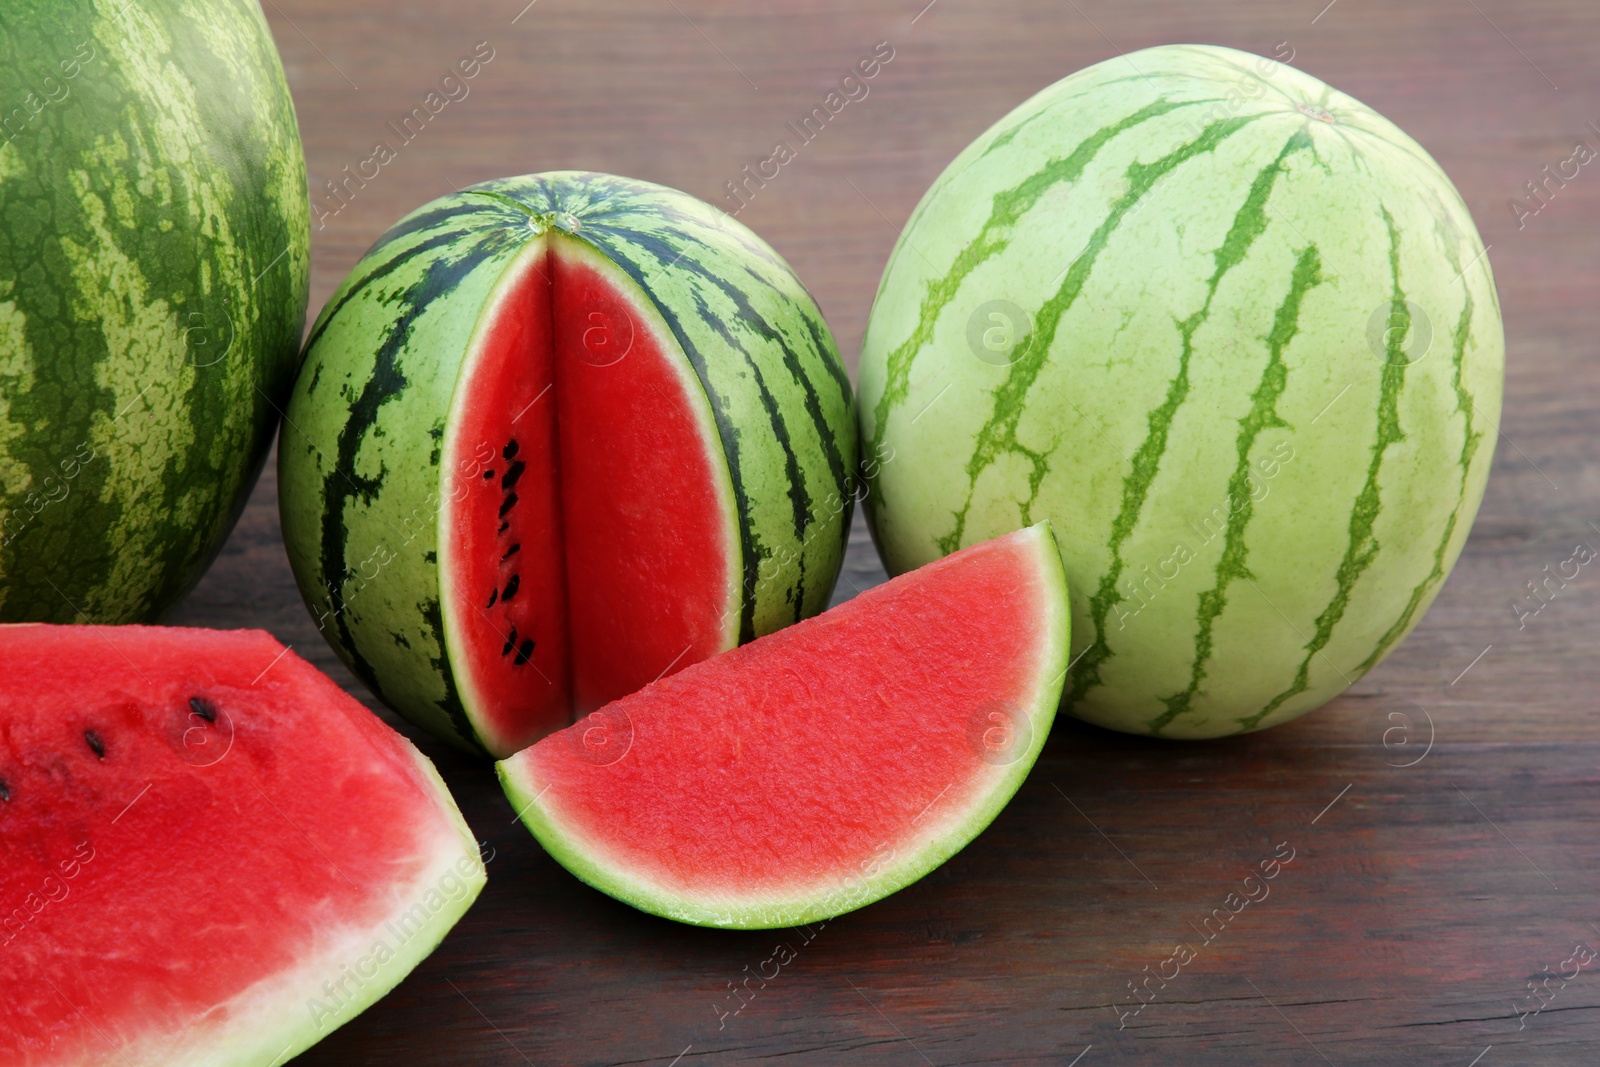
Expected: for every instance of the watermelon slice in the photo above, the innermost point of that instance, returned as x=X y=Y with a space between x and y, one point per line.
x=211 y=853
x=822 y=767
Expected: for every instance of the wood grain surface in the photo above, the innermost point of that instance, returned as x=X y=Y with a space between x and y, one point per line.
x=1441 y=815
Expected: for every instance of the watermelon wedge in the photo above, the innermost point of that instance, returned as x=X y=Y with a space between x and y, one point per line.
x=822 y=767
x=210 y=853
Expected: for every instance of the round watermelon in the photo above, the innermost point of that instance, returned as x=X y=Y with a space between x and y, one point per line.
x=154 y=257
x=555 y=437
x=1235 y=335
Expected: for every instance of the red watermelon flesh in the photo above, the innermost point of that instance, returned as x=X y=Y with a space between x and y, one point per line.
x=823 y=766
x=502 y=520
x=590 y=530
x=212 y=853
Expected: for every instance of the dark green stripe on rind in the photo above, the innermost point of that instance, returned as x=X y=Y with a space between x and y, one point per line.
x=854 y=477
x=359 y=463
x=1007 y=208
x=1471 y=438
x=1006 y=136
x=344 y=483
x=1363 y=545
x=1248 y=224
x=749 y=317
x=1241 y=507
x=369 y=272
x=998 y=435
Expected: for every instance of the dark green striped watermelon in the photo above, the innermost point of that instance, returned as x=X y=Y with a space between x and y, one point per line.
x=1236 y=336
x=555 y=437
x=153 y=278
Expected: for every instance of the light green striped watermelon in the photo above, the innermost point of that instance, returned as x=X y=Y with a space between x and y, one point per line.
x=1234 y=334
x=154 y=257
x=555 y=437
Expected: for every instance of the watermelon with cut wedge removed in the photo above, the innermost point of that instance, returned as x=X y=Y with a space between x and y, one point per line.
x=209 y=852
x=822 y=767
x=557 y=436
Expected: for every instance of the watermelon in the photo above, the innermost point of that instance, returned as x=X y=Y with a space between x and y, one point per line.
x=1236 y=335
x=212 y=853
x=556 y=436
x=153 y=277
x=824 y=766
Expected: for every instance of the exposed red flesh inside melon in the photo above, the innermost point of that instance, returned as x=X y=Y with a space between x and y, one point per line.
x=509 y=588
x=211 y=853
x=820 y=767
x=590 y=526
x=649 y=547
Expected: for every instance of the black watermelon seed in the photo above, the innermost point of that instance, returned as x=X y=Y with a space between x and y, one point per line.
x=512 y=551
x=203 y=708
x=488 y=475
x=5 y=791
x=510 y=449
x=511 y=642
x=514 y=472
x=511 y=587
x=509 y=503
x=98 y=746
x=494 y=594
x=524 y=651
x=504 y=526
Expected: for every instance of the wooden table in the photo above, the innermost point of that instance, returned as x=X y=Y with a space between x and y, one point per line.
x=1429 y=885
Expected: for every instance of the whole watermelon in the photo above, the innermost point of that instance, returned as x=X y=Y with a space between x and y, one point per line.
x=1235 y=335
x=154 y=253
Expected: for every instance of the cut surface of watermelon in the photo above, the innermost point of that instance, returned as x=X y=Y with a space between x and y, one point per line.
x=821 y=767
x=589 y=533
x=211 y=853
x=556 y=436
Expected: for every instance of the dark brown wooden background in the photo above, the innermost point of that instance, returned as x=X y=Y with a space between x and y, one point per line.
x=1418 y=906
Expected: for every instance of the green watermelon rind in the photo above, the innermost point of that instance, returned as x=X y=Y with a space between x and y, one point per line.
x=566 y=847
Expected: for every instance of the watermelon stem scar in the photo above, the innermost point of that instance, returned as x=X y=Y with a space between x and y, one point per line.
x=555 y=437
